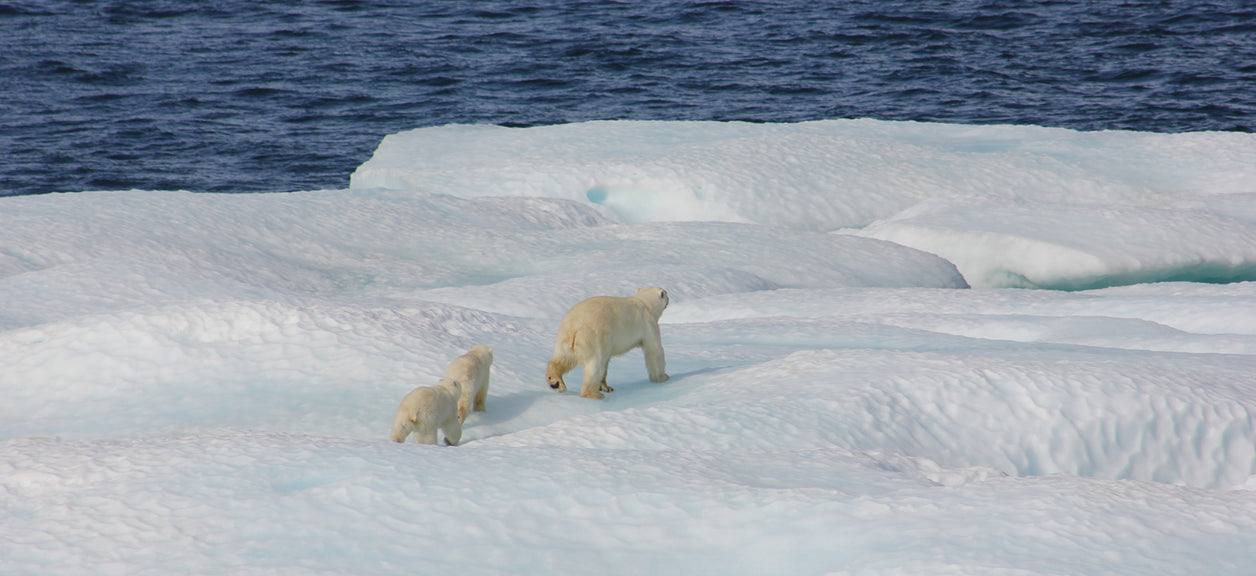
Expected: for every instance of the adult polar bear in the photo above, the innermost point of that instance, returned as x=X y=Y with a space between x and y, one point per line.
x=601 y=327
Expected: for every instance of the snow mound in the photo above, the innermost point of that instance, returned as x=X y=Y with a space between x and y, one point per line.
x=1133 y=419
x=120 y=250
x=1011 y=206
x=252 y=502
x=211 y=364
x=1078 y=247
x=698 y=259
x=821 y=175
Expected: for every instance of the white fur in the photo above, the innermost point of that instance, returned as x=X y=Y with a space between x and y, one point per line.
x=597 y=329
x=472 y=371
x=426 y=409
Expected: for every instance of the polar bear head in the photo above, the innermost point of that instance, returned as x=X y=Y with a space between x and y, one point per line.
x=554 y=372
x=451 y=386
x=654 y=298
x=482 y=353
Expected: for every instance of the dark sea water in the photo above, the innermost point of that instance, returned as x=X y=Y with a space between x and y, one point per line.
x=255 y=95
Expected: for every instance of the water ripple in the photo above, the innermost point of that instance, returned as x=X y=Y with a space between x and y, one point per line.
x=273 y=96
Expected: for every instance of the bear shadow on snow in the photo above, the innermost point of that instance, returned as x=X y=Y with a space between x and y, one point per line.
x=505 y=408
x=635 y=390
x=519 y=411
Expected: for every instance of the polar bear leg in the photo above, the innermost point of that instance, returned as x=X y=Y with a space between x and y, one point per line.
x=400 y=432
x=464 y=404
x=604 y=387
x=481 y=394
x=594 y=376
x=655 y=362
x=402 y=426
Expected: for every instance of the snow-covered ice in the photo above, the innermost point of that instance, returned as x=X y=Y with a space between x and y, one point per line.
x=1010 y=206
x=199 y=383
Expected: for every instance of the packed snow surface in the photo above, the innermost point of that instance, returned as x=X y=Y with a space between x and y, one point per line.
x=1011 y=206
x=860 y=381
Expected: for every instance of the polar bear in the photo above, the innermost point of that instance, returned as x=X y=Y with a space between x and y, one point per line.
x=427 y=408
x=604 y=326
x=472 y=371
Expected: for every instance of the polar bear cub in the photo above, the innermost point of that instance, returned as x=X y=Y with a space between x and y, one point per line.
x=426 y=409
x=472 y=371
x=601 y=327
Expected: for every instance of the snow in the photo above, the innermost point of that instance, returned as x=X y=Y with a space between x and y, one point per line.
x=1009 y=206
x=205 y=383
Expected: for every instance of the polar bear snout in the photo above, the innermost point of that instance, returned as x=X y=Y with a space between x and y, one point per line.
x=553 y=385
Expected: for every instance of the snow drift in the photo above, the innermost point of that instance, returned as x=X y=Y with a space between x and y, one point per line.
x=1011 y=206
x=206 y=382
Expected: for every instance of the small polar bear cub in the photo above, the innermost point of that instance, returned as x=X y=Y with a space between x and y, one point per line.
x=601 y=327
x=472 y=371
x=426 y=409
